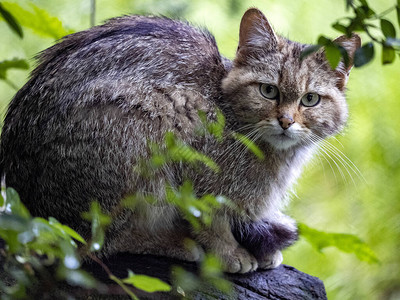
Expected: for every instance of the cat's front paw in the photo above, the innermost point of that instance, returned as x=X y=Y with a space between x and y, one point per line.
x=238 y=261
x=271 y=261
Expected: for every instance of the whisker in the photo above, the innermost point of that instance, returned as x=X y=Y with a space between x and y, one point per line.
x=336 y=160
x=327 y=160
x=337 y=140
x=342 y=159
x=346 y=161
x=237 y=144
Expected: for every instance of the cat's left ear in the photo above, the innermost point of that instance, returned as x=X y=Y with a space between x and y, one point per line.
x=256 y=34
x=350 y=44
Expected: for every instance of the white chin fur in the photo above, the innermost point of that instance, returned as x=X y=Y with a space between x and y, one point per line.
x=283 y=139
x=281 y=142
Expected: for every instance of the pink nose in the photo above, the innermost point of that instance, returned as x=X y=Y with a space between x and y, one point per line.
x=285 y=121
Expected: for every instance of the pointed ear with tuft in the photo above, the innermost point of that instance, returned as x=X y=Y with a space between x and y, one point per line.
x=256 y=35
x=350 y=44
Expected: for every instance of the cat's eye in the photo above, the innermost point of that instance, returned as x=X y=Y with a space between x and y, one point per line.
x=269 y=91
x=310 y=99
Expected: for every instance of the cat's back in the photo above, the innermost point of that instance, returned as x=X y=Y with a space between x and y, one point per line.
x=152 y=51
x=151 y=67
x=75 y=130
x=134 y=55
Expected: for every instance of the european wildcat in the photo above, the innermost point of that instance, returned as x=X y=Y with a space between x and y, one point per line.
x=74 y=132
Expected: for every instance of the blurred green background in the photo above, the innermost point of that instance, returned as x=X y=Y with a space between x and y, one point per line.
x=365 y=205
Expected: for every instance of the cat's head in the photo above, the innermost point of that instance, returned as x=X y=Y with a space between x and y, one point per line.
x=280 y=98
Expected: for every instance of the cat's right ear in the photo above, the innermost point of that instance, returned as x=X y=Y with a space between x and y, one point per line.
x=256 y=34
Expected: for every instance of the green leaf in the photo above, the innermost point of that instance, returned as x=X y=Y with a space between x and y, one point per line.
x=66 y=230
x=15 y=63
x=178 y=151
x=211 y=271
x=345 y=242
x=13 y=222
x=364 y=12
x=77 y=278
x=309 y=50
x=11 y=226
x=363 y=55
x=388 y=29
x=388 y=55
x=37 y=19
x=185 y=281
x=339 y=27
x=99 y=221
x=11 y=21
x=324 y=41
x=398 y=12
x=14 y=205
x=356 y=24
x=348 y=4
x=70 y=257
x=147 y=283
x=333 y=55
x=249 y=144
x=196 y=211
x=215 y=128
x=331 y=50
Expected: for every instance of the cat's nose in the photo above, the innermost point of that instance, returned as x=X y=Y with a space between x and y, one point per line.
x=285 y=121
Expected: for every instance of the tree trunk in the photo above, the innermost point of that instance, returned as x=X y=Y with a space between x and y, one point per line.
x=284 y=282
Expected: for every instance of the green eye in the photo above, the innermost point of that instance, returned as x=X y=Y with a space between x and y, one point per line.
x=269 y=91
x=310 y=99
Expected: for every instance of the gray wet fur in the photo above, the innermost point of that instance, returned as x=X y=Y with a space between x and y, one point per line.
x=78 y=127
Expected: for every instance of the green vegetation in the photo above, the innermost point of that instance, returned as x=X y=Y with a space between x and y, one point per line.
x=351 y=188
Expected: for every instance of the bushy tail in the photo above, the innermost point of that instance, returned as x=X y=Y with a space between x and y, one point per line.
x=263 y=237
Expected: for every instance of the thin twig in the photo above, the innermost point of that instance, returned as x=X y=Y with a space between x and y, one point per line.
x=112 y=276
x=103 y=265
x=384 y=13
x=124 y=287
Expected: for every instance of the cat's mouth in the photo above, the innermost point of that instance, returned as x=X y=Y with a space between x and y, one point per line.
x=284 y=134
x=283 y=140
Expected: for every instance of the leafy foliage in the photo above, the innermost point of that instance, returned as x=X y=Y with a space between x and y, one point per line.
x=251 y=146
x=364 y=54
x=147 y=283
x=214 y=128
x=37 y=19
x=362 y=21
x=33 y=247
x=11 y=21
x=198 y=211
x=178 y=151
x=185 y=283
x=15 y=63
x=172 y=150
x=99 y=222
x=344 y=242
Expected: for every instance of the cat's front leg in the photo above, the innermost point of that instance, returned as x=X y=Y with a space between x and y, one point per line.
x=219 y=240
x=270 y=261
x=266 y=238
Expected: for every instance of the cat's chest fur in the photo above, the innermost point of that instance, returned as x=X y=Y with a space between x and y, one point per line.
x=257 y=185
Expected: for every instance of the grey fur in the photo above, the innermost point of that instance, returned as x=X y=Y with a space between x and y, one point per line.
x=74 y=132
